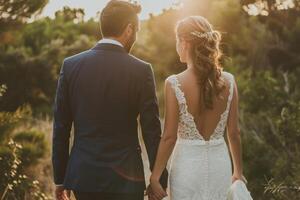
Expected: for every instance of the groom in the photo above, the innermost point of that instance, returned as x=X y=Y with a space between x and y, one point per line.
x=101 y=92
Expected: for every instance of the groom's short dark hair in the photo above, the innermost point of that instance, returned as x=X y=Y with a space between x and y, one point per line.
x=116 y=15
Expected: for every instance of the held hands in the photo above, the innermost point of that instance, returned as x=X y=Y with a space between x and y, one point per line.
x=155 y=191
x=61 y=193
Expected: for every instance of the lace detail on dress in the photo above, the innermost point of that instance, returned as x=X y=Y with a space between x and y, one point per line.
x=219 y=131
x=187 y=128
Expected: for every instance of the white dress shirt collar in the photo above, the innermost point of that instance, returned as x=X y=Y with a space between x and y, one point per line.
x=110 y=41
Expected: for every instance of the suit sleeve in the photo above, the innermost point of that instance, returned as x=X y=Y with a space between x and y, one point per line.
x=149 y=120
x=61 y=129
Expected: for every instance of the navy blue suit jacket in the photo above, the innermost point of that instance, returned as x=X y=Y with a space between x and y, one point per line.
x=101 y=92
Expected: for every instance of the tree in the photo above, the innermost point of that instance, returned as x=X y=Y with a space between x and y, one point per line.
x=29 y=66
x=14 y=12
x=266 y=7
x=69 y=14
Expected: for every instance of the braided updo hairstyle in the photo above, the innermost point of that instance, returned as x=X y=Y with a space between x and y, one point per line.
x=205 y=54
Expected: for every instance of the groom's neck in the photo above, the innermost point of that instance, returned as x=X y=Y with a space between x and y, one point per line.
x=119 y=39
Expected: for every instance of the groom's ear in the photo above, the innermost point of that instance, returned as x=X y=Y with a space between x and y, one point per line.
x=130 y=29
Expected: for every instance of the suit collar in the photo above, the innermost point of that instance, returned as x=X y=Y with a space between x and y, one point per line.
x=110 y=41
x=108 y=47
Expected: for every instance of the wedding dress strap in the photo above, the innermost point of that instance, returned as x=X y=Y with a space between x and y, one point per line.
x=176 y=87
x=230 y=78
x=220 y=128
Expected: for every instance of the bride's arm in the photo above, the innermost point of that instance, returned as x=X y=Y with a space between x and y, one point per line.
x=233 y=135
x=169 y=136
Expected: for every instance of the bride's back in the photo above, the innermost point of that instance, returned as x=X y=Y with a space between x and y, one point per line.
x=206 y=119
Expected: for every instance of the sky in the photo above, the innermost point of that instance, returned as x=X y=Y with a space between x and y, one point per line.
x=91 y=7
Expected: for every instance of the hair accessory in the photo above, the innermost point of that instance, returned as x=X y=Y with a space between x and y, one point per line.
x=203 y=35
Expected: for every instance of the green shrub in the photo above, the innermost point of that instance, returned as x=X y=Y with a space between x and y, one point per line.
x=33 y=145
x=14 y=184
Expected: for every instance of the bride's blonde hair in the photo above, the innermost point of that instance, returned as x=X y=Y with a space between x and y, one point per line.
x=205 y=53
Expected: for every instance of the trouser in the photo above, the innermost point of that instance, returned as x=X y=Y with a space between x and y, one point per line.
x=107 y=196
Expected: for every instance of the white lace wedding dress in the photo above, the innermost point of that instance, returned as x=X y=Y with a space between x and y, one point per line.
x=199 y=169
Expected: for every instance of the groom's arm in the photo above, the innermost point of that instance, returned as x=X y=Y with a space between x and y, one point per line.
x=149 y=119
x=61 y=129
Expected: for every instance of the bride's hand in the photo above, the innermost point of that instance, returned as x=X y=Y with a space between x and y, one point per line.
x=238 y=177
x=157 y=191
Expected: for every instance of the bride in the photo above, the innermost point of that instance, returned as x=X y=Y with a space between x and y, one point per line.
x=201 y=104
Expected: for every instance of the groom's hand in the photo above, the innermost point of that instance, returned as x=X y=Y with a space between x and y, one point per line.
x=61 y=193
x=156 y=191
x=150 y=194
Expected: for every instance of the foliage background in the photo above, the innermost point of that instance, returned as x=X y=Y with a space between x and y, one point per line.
x=261 y=44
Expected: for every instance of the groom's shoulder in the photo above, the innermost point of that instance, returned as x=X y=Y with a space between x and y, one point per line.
x=138 y=60
x=139 y=63
x=76 y=58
